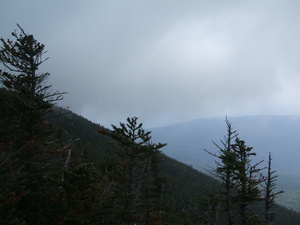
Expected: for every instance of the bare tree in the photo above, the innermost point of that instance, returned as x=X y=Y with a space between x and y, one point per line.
x=270 y=192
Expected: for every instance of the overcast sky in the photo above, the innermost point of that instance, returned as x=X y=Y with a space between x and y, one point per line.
x=166 y=61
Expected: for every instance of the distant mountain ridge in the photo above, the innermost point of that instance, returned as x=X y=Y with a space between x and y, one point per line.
x=279 y=135
x=183 y=182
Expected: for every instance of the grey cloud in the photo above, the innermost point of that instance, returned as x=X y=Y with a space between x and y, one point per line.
x=167 y=61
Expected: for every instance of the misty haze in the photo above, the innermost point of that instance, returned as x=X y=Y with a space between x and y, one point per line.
x=148 y=92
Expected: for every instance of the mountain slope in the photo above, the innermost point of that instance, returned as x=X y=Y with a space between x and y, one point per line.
x=279 y=135
x=183 y=182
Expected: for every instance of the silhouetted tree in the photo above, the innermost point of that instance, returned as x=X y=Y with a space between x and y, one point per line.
x=247 y=178
x=26 y=140
x=240 y=179
x=225 y=169
x=31 y=97
x=269 y=188
x=139 y=181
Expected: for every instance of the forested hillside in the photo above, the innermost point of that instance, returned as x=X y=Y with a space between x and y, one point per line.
x=187 y=188
x=59 y=168
x=279 y=135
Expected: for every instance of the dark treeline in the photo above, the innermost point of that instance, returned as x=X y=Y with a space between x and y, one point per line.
x=58 y=168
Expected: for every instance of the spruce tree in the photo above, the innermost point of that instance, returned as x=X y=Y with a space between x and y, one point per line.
x=32 y=99
x=240 y=179
x=247 y=179
x=27 y=101
x=225 y=166
x=269 y=188
x=139 y=180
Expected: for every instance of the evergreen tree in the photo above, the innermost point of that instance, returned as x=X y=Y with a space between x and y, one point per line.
x=25 y=141
x=30 y=98
x=247 y=178
x=140 y=186
x=269 y=188
x=240 y=179
x=224 y=171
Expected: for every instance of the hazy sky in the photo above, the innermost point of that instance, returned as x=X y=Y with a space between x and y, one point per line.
x=166 y=61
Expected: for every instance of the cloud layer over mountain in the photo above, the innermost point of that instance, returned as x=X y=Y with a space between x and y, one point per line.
x=167 y=61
